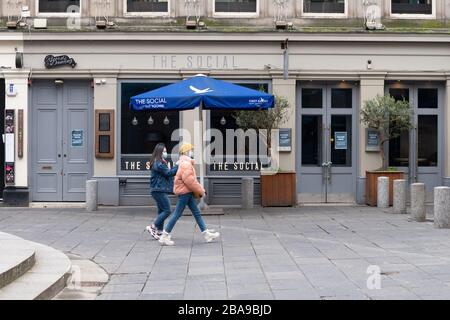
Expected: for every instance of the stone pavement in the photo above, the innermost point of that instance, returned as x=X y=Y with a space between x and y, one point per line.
x=302 y=253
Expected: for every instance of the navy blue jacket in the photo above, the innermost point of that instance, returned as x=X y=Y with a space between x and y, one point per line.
x=162 y=177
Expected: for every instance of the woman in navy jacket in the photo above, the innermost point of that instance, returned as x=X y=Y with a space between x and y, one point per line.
x=161 y=184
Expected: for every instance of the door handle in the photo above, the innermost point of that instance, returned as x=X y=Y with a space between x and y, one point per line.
x=59 y=156
x=65 y=156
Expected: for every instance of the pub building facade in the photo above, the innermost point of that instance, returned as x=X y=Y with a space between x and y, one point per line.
x=68 y=84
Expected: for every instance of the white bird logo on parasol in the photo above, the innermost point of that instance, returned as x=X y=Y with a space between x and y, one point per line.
x=200 y=91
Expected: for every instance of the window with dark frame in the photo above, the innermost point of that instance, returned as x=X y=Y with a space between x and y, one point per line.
x=324 y=6
x=59 y=6
x=224 y=120
x=399 y=147
x=141 y=131
x=147 y=6
x=312 y=98
x=236 y=6
x=412 y=7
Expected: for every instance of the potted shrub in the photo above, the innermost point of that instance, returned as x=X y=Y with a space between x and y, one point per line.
x=277 y=189
x=390 y=118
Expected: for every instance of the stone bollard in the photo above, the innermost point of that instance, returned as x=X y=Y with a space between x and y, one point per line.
x=383 y=192
x=400 y=196
x=442 y=207
x=91 y=195
x=418 y=212
x=247 y=193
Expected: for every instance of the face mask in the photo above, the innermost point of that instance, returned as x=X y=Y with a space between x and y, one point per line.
x=164 y=155
x=191 y=154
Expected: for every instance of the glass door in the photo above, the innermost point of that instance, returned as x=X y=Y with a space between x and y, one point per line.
x=417 y=153
x=327 y=123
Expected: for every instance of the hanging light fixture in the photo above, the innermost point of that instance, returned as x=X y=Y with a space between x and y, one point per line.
x=150 y=121
x=166 y=121
x=223 y=121
x=135 y=121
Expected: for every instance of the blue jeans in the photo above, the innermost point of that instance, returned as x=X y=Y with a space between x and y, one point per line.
x=163 y=204
x=183 y=201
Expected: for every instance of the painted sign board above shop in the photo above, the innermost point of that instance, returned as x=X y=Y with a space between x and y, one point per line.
x=136 y=163
x=142 y=163
x=51 y=61
x=149 y=62
x=236 y=166
x=193 y=62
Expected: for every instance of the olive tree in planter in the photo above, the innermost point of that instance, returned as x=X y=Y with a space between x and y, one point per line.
x=390 y=117
x=276 y=189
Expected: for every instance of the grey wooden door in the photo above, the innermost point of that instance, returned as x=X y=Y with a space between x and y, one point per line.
x=327 y=160
x=61 y=138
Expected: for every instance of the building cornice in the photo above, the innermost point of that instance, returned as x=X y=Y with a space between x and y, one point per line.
x=231 y=37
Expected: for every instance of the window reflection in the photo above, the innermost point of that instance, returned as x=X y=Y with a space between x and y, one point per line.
x=224 y=120
x=324 y=6
x=428 y=98
x=312 y=98
x=138 y=134
x=341 y=145
x=412 y=6
x=147 y=5
x=399 y=151
x=235 y=5
x=341 y=98
x=59 y=6
x=399 y=94
x=428 y=140
x=311 y=140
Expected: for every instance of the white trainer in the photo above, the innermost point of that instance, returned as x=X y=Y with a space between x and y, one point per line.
x=210 y=235
x=153 y=231
x=165 y=239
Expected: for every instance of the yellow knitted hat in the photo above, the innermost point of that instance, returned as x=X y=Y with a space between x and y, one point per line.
x=185 y=147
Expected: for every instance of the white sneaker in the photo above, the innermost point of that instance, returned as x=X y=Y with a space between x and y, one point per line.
x=165 y=239
x=210 y=235
x=153 y=231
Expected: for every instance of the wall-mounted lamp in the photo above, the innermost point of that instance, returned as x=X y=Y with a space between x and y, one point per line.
x=150 y=121
x=135 y=121
x=369 y=64
x=223 y=121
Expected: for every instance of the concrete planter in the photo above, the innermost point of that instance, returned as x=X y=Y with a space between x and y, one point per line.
x=372 y=185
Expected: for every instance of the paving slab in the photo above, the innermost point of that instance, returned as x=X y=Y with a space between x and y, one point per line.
x=310 y=252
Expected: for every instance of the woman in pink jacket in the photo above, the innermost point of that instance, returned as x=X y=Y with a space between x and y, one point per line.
x=188 y=189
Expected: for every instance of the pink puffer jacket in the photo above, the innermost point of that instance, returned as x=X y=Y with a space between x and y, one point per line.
x=186 y=178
